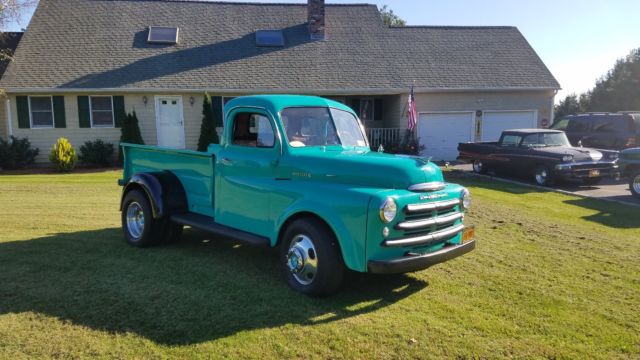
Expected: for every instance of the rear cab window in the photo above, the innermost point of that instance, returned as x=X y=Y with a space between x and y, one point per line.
x=510 y=140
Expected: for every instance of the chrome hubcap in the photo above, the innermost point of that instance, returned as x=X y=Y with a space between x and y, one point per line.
x=302 y=260
x=135 y=220
x=477 y=166
x=636 y=184
x=541 y=176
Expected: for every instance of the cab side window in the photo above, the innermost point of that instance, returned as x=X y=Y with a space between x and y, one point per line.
x=510 y=140
x=253 y=130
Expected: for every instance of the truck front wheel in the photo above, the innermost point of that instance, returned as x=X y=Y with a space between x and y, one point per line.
x=311 y=258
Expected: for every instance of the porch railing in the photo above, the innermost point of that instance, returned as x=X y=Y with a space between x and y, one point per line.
x=384 y=136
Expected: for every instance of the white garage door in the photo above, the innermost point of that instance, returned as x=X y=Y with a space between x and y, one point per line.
x=441 y=133
x=493 y=122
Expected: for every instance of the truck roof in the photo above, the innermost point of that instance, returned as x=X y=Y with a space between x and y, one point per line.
x=531 y=131
x=275 y=103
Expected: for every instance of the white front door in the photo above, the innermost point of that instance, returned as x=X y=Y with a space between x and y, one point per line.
x=494 y=122
x=440 y=133
x=170 y=122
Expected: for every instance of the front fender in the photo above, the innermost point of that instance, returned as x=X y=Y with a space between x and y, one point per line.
x=345 y=214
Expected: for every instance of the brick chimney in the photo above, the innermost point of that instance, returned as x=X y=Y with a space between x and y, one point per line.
x=315 y=17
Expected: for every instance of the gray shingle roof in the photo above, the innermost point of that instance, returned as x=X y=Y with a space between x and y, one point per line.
x=93 y=44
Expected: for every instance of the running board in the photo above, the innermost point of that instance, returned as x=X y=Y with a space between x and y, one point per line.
x=208 y=224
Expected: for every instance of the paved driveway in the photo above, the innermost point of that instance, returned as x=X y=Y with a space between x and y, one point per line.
x=608 y=189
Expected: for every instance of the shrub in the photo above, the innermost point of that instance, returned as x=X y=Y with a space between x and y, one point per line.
x=16 y=153
x=96 y=153
x=63 y=155
x=208 y=134
x=409 y=145
x=130 y=132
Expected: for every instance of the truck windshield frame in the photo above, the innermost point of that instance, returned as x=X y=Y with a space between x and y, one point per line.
x=314 y=126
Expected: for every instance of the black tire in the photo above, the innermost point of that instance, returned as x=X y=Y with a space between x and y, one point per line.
x=634 y=183
x=479 y=167
x=592 y=181
x=148 y=234
x=325 y=252
x=542 y=176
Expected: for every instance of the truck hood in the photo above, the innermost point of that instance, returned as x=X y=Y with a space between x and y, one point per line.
x=579 y=154
x=365 y=168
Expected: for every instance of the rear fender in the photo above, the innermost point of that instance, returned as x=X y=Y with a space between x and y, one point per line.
x=163 y=189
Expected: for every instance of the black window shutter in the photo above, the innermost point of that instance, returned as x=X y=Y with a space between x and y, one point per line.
x=355 y=105
x=118 y=110
x=83 y=112
x=58 y=112
x=22 y=102
x=216 y=108
x=377 y=109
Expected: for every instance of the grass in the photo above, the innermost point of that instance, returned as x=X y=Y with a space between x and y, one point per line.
x=553 y=276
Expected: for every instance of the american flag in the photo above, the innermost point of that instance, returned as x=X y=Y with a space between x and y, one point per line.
x=413 y=117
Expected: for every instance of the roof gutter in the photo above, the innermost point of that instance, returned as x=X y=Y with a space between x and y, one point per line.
x=363 y=91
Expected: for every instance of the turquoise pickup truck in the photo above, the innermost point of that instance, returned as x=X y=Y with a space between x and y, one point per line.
x=297 y=172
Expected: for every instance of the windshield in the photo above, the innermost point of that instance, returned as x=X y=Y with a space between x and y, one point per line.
x=321 y=126
x=545 y=140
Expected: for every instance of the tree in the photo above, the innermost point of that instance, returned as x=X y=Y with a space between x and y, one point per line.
x=569 y=106
x=10 y=10
x=389 y=18
x=208 y=134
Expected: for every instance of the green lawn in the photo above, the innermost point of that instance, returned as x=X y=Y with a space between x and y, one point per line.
x=553 y=276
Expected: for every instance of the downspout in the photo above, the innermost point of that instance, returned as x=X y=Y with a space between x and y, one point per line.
x=9 y=127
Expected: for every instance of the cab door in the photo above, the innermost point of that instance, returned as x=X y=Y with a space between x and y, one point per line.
x=248 y=164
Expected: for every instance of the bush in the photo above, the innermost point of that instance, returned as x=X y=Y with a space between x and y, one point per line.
x=63 y=155
x=208 y=134
x=16 y=153
x=410 y=145
x=96 y=153
x=130 y=132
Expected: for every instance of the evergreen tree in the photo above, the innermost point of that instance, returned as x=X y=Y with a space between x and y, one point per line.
x=129 y=132
x=208 y=134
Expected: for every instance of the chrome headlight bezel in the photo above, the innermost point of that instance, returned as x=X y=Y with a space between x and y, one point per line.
x=388 y=210
x=567 y=158
x=465 y=199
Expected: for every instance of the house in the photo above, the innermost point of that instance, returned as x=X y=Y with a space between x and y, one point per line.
x=8 y=43
x=81 y=65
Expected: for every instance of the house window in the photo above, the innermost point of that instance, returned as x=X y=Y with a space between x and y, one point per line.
x=368 y=109
x=101 y=111
x=41 y=111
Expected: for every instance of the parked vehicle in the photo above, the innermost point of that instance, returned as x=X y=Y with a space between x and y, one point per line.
x=544 y=155
x=297 y=172
x=613 y=131
x=630 y=168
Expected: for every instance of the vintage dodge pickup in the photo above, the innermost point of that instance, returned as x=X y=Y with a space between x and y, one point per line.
x=545 y=155
x=297 y=172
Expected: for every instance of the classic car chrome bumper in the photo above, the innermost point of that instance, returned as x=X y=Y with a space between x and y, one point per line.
x=581 y=170
x=412 y=262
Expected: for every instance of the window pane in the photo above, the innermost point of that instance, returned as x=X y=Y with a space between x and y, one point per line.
x=252 y=130
x=348 y=128
x=366 y=109
x=40 y=103
x=163 y=34
x=269 y=38
x=510 y=140
x=42 y=119
x=102 y=118
x=101 y=103
x=266 y=138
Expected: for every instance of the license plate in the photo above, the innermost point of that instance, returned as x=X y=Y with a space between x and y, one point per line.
x=594 y=173
x=467 y=234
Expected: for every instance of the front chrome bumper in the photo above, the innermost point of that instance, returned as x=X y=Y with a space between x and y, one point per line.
x=411 y=262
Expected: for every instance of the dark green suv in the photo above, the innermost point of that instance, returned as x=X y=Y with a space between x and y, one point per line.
x=611 y=131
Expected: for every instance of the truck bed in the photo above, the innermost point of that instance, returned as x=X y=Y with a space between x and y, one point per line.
x=469 y=151
x=194 y=169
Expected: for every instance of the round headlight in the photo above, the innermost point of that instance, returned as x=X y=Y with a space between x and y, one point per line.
x=567 y=158
x=465 y=199
x=388 y=210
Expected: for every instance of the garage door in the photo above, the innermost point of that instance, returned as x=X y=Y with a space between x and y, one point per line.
x=493 y=122
x=441 y=133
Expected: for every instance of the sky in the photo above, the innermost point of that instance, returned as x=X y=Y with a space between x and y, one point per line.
x=578 y=40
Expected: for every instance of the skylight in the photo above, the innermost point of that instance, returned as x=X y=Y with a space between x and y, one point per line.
x=269 y=38
x=162 y=35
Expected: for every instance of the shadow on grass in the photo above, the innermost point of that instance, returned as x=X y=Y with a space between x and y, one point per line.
x=608 y=213
x=502 y=184
x=194 y=291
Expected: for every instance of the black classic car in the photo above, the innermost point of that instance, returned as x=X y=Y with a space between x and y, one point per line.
x=544 y=155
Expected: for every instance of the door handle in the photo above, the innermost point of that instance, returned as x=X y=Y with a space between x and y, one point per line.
x=226 y=161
